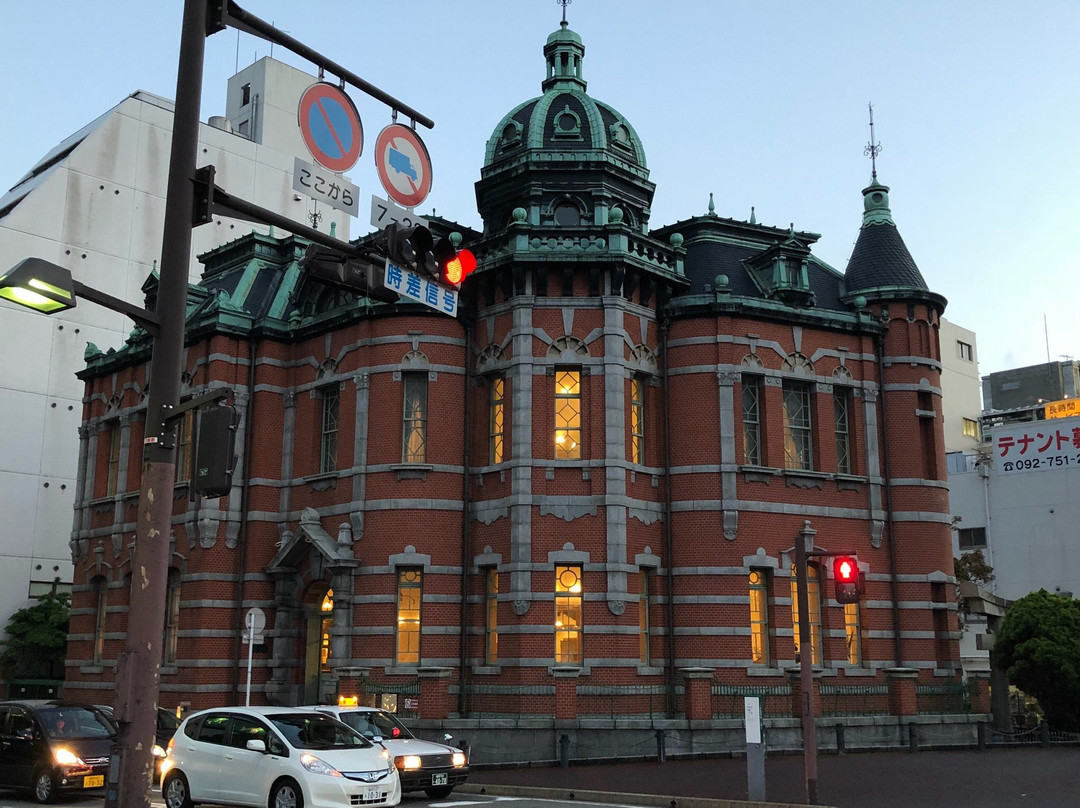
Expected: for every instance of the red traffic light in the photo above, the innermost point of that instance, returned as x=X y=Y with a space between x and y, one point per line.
x=846 y=587
x=458 y=266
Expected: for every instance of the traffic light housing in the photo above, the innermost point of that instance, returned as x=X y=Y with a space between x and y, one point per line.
x=357 y=274
x=846 y=587
x=410 y=247
x=452 y=264
x=215 y=451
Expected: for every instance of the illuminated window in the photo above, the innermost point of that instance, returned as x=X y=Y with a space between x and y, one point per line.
x=798 y=447
x=568 y=600
x=813 y=592
x=114 y=460
x=185 y=432
x=326 y=647
x=414 y=427
x=497 y=422
x=329 y=430
x=842 y=419
x=567 y=414
x=971 y=428
x=644 y=633
x=853 y=633
x=637 y=420
x=408 y=616
x=751 y=416
x=172 y=617
x=100 y=602
x=759 y=617
x=491 y=617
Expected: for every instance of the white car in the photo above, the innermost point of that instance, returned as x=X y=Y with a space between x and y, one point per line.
x=275 y=757
x=434 y=768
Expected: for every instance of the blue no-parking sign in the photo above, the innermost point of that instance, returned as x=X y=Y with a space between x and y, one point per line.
x=330 y=126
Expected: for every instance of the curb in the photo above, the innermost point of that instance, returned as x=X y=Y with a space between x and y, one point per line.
x=616 y=798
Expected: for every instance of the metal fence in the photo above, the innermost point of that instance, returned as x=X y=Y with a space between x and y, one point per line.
x=943 y=699
x=622 y=701
x=509 y=701
x=854 y=699
x=34 y=689
x=401 y=698
x=727 y=700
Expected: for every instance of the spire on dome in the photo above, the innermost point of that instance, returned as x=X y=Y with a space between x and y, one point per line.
x=564 y=53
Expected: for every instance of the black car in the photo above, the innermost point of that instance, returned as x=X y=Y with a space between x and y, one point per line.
x=167 y=722
x=47 y=747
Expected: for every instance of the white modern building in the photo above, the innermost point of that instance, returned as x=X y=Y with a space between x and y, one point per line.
x=95 y=204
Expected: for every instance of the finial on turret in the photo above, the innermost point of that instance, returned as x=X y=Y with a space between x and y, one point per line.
x=564 y=4
x=872 y=149
x=712 y=205
x=753 y=215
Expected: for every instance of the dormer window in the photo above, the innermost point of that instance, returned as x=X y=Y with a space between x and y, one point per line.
x=511 y=135
x=567 y=125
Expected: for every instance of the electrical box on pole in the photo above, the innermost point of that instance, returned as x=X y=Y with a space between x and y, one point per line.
x=215 y=453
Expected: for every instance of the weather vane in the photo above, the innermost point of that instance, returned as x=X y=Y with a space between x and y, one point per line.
x=564 y=4
x=872 y=149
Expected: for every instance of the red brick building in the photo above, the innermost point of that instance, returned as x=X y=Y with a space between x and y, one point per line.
x=579 y=496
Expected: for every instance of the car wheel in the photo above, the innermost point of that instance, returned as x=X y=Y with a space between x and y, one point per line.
x=285 y=794
x=44 y=787
x=439 y=792
x=175 y=791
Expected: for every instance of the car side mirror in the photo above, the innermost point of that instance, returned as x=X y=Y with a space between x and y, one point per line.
x=448 y=737
x=376 y=738
x=257 y=745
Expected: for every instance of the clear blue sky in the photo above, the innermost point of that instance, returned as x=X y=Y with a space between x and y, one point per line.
x=977 y=106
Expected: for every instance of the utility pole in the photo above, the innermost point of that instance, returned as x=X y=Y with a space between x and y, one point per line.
x=804 y=544
x=139 y=664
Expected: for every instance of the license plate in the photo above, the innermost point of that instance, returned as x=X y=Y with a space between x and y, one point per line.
x=94 y=781
x=438 y=779
x=372 y=794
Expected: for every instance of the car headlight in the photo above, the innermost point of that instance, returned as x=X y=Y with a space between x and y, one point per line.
x=459 y=758
x=408 y=762
x=157 y=751
x=317 y=766
x=65 y=757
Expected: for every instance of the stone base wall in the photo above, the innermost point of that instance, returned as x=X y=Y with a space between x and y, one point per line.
x=508 y=742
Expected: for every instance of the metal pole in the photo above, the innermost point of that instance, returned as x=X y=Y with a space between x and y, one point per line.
x=139 y=665
x=251 y=647
x=806 y=673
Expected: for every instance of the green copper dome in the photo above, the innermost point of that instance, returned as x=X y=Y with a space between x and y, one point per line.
x=555 y=138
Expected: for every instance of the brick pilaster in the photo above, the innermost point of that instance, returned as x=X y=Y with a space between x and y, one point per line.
x=566 y=693
x=434 y=692
x=698 y=693
x=901 y=682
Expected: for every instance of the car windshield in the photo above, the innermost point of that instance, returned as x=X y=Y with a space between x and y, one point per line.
x=370 y=723
x=73 y=721
x=317 y=731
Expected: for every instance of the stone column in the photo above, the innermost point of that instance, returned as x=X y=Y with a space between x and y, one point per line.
x=434 y=692
x=901 y=681
x=698 y=705
x=566 y=693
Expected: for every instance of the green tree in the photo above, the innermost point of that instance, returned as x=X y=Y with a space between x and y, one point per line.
x=36 y=641
x=973 y=567
x=1038 y=645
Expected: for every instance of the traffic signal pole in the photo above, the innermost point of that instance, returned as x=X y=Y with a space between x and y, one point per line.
x=139 y=664
x=804 y=545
